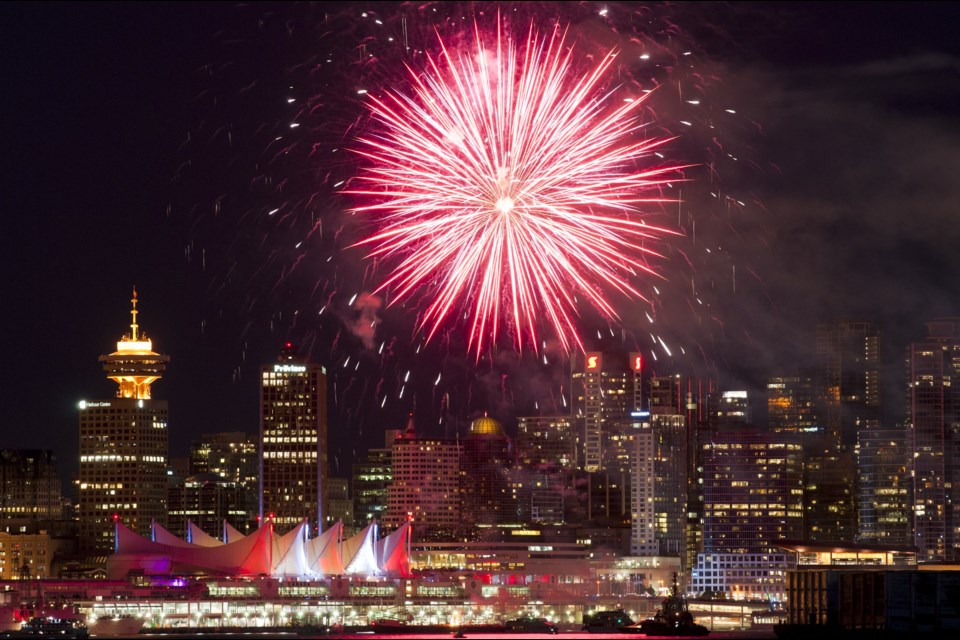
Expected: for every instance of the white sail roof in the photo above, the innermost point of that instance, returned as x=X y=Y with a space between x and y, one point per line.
x=392 y=552
x=200 y=537
x=323 y=552
x=231 y=534
x=289 y=556
x=359 y=553
x=161 y=535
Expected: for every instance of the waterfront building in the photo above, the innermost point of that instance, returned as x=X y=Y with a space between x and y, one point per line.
x=753 y=500
x=933 y=420
x=27 y=556
x=293 y=441
x=123 y=445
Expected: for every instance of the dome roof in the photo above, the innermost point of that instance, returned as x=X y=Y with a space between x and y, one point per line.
x=486 y=426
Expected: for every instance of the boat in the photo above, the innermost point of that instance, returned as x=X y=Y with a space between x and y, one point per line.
x=116 y=626
x=673 y=618
x=612 y=621
x=45 y=627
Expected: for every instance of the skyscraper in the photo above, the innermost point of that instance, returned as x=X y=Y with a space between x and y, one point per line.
x=293 y=440
x=487 y=470
x=933 y=418
x=426 y=483
x=29 y=486
x=605 y=391
x=847 y=401
x=123 y=445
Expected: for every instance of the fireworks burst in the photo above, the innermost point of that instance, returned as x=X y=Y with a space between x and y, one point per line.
x=508 y=185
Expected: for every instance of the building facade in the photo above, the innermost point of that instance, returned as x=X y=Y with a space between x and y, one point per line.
x=124 y=446
x=293 y=441
x=29 y=486
x=933 y=420
x=426 y=483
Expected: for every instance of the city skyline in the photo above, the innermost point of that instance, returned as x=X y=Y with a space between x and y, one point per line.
x=847 y=216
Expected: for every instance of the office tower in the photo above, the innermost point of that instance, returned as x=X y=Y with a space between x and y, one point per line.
x=752 y=491
x=339 y=503
x=846 y=401
x=207 y=500
x=753 y=499
x=372 y=477
x=487 y=465
x=606 y=389
x=293 y=441
x=546 y=460
x=847 y=381
x=29 y=487
x=690 y=397
x=730 y=410
x=643 y=491
x=933 y=419
x=234 y=458
x=123 y=445
x=670 y=481
x=426 y=484
x=790 y=405
x=885 y=510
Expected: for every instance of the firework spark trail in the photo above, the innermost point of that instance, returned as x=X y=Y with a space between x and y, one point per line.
x=505 y=184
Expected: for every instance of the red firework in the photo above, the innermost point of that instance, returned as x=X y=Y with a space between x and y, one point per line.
x=504 y=185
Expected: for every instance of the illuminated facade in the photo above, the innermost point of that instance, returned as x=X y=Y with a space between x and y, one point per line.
x=371 y=481
x=846 y=401
x=884 y=466
x=790 y=405
x=546 y=454
x=234 y=457
x=933 y=419
x=426 y=483
x=752 y=500
x=605 y=391
x=293 y=441
x=489 y=495
x=29 y=486
x=123 y=446
x=670 y=476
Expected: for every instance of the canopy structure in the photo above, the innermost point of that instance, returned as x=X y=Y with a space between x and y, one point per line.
x=196 y=535
x=263 y=552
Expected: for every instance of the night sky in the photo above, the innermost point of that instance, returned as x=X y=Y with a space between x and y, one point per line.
x=149 y=145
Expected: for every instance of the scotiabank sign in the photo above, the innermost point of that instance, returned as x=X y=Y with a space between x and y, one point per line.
x=636 y=361
x=594 y=361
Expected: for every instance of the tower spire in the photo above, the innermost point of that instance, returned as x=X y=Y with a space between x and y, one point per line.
x=133 y=315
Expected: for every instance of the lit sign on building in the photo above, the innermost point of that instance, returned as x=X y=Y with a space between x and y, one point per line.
x=594 y=361
x=289 y=368
x=87 y=405
x=636 y=361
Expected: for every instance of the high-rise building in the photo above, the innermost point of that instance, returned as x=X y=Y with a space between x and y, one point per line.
x=790 y=405
x=339 y=502
x=933 y=419
x=123 y=446
x=885 y=510
x=29 y=486
x=208 y=500
x=426 y=483
x=670 y=479
x=546 y=460
x=606 y=389
x=372 y=477
x=489 y=494
x=234 y=458
x=753 y=499
x=846 y=401
x=643 y=491
x=293 y=441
